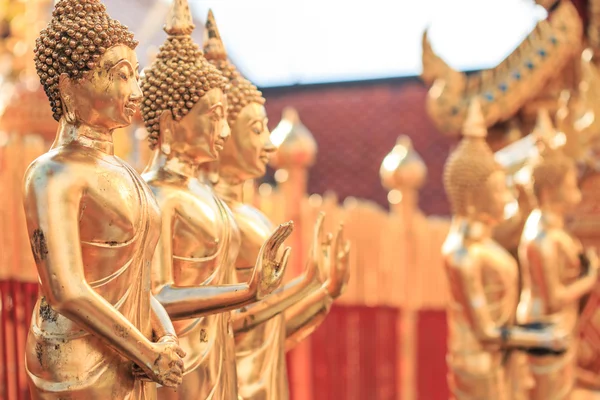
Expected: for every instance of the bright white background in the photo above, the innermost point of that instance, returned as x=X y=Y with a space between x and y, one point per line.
x=286 y=42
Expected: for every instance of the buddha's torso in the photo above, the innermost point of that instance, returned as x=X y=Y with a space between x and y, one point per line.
x=477 y=370
x=118 y=225
x=205 y=242
x=533 y=304
x=260 y=352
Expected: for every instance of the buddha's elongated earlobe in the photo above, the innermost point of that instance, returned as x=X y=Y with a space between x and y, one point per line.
x=66 y=98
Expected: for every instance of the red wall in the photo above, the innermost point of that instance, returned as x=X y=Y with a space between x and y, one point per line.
x=356 y=125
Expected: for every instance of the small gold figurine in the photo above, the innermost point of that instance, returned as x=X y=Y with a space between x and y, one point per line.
x=185 y=111
x=93 y=223
x=266 y=329
x=555 y=272
x=483 y=277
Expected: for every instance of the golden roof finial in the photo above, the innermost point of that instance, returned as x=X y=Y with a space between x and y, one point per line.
x=296 y=146
x=213 y=44
x=474 y=125
x=403 y=168
x=179 y=19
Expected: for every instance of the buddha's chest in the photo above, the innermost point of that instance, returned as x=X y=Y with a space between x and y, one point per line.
x=119 y=224
x=500 y=281
x=206 y=242
x=255 y=229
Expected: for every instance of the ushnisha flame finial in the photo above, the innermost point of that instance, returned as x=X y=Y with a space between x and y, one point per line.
x=179 y=19
x=241 y=91
x=213 y=44
x=474 y=125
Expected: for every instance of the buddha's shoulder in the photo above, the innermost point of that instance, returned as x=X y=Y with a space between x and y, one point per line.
x=250 y=219
x=461 y=256
x=55 y=164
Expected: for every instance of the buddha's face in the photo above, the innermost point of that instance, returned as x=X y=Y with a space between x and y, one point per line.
x=202 y=133
x=490 y=201
x=247 y=154
x=108 y=97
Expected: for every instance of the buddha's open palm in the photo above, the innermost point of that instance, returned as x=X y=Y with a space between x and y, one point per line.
x=269 y=268
x=339 y=268
x=318 y=258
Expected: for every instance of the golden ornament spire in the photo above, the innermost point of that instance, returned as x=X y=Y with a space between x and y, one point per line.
x=213 y=44
x=474 y=125
x=179 y=19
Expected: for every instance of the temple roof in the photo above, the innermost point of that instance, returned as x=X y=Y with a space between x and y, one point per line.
x=286 y=42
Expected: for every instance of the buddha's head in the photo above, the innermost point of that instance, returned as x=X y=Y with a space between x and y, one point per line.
x=474 y=182
x=185 y=108
x=88 y=67
x=247 y=153
x=554 y=174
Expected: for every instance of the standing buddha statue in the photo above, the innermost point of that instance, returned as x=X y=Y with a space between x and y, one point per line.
x=555 y=273
x=266 y=329
x=93 y=223
x=185 y=112
x=483 y=277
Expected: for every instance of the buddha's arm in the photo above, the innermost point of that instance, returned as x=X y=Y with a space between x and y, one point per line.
x=161 y=323
x=304 y=318
x=474 y=302
x=283 y=298
x=188 y=302
x=543 y=260
x=52 y=204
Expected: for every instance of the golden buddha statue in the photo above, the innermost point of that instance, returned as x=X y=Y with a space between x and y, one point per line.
x=483 y=277
x=266 y=329
x=93 y=223
x=185 y=112
x=555 y=273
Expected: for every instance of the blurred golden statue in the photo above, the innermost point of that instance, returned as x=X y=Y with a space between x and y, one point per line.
x=483 y=278
x=577 y=135
x=193 y=276
x=265 y=330
x=93 y=223
x=555 y=272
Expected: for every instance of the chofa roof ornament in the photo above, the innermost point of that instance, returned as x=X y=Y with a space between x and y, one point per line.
x=503 y=90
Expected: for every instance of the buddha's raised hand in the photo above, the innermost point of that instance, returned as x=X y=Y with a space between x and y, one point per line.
x=339 y=269
x=270 y=267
